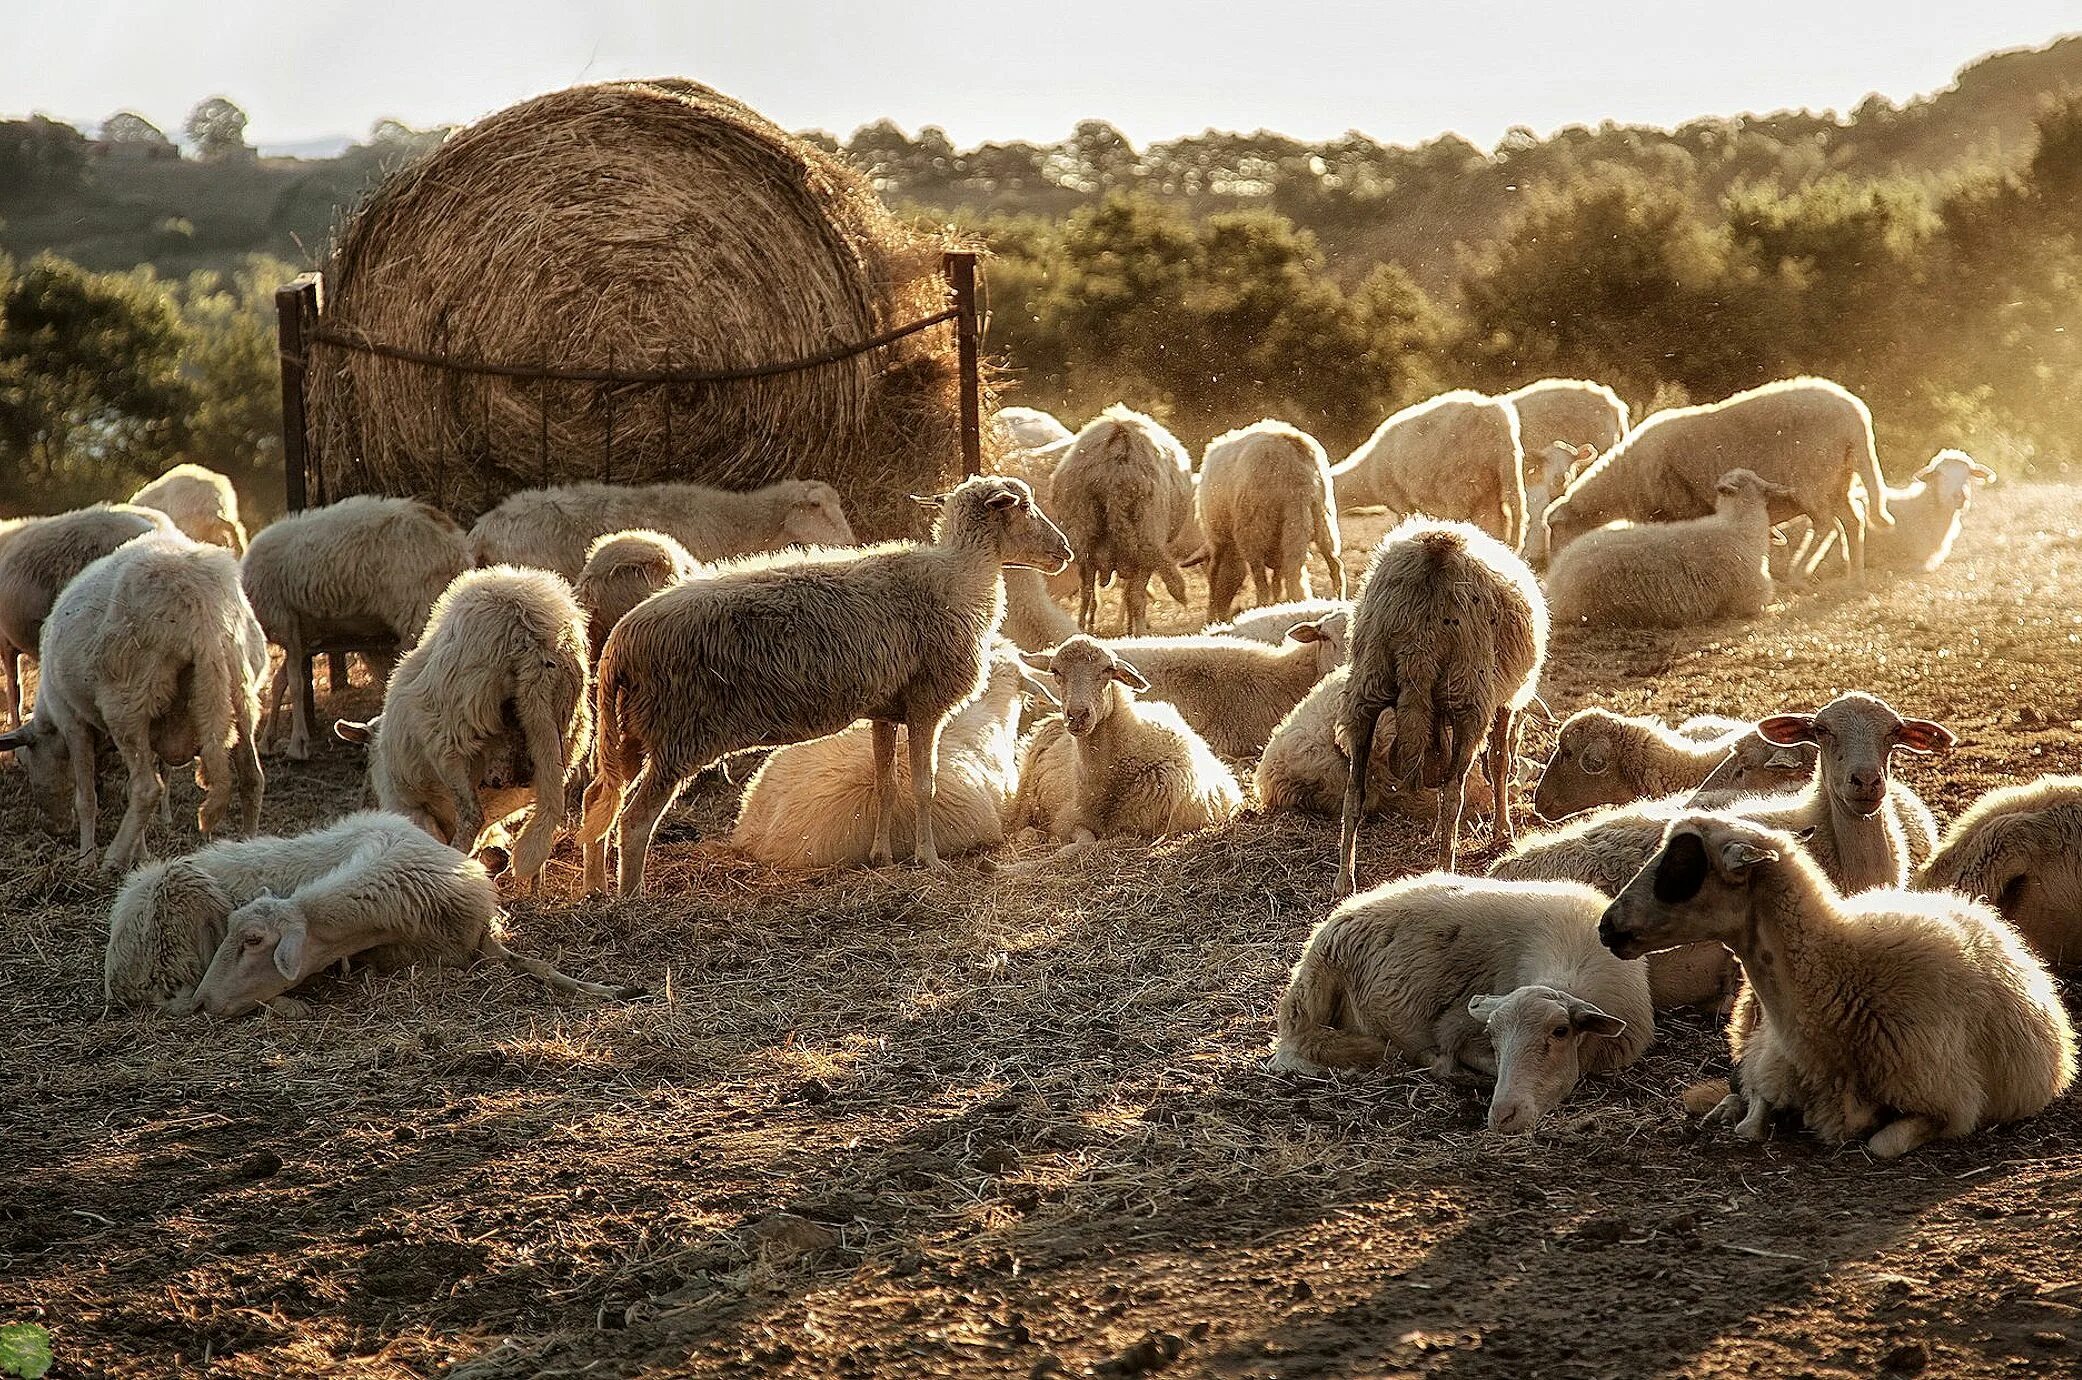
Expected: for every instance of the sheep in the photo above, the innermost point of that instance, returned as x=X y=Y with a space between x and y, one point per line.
x=1030 y=442
x=1456 y=456
x=1548 y=471
x=502 y=663
x=397 y=899
x=1303 y=767
x=552 y=529
x=201 y=502
x=1503 y=980
x=1756 y=766
x=622 y=570
x=1233 y=690
x=365 y=568
x=1449 y=634
x=39 y=557
x=1112 y=765
x=1124 y=496
x=1263 y=500
x=785 y=648
x=2016 y=848
x=1927 y=513
x=1271 y=622
x=1674 y=574
x=1601 y=758
x=1897 y=1016
x=1033 y=619
x=153 y=649
x=1808 y=435
x=812 y=805
x=1572 y=412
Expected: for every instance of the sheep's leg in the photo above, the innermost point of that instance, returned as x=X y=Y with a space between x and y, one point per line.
x=214 y=776
x=1135 y=600
x=883 y=735
x=1500 y=762
x=337 y=679
x=922 y=736
x=245 y=768
x=603 y=798
x=145 y=790
x=1224 y=582
x=1851 y=522
x=1727 y=1111
x=531 y=847
x=1897 y=1138
x=79 y=746
x=1453 y=795
x=648 y=797
x=13 y=657
x=271 y=717
x=1359 y=733
x=303 y=706
x=1261 y=584
x=1756 y=1122
x=1087 y=597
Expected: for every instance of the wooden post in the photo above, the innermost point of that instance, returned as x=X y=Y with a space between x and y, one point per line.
x=961 y=273
x=297 y=305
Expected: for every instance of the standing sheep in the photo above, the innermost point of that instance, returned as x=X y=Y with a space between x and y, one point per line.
x=622 y=570
x=793 y=647
x=2020 y=849
x=1124 y=495
x=1502 y=980
x=1234 y=690
x=1264 y=498
x=552 y=529
x=1456 y=457
x=1674 y=574
x=1548 y=471
x=1303 y=767
x=1449 y=636
x=1894 y=1015
x=199 y=501
x=1601 y=758
x=1571 y=412
x=38 y=558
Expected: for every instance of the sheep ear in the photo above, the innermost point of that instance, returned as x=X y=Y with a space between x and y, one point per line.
x=1003 y=499
x=1928 y=469
x=289 y=950
x=1040 y=661
x=1484 y=1009
x=1597 y=756
x=935 y=502
x=1127 y=675
x=1038 y=689
x=350 y=732
x=1739 y=857
x=1588 y=1020
x=1306 y=632
x=1784 y=758
x=1778 y=538
x=1805 y=834
x=1981 y=472
x=1787 y=729
x=1923 y=736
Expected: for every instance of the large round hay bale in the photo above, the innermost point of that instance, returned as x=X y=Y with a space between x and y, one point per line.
x=627 y=227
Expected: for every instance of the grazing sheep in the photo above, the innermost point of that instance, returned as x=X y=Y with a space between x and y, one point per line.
x=1304 y=769
x=1264 y=499
x=791 y=647
x=1111 y=765
x=1601 y=758
x=398 y=899
x=1674 y=574
x=1449 y=635
x=552 y=529
x=1270 y=623
x=2017 y=849
x=1456 y=457
x=501 y=666
x=200 y=501
x=1124 y=495
x=151 y=648
x=1927 y=513
x=365 y=569
x=1808 y=435
x=1502 y=980
x=38 y=558
x=1899 y=1016
x=813 y=804
x=1548 y=471
x=1234 y=690
x=1569 y=412
x=1033 y=619
x=622 y=570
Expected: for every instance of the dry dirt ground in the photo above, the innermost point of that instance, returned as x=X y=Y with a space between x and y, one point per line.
x=885 y=1125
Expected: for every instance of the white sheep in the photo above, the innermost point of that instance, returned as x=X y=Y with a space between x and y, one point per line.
x=1897 y=1016
x=1601 y=758
x=200 y=501
x=1235 y=690
x=38 y=558
x=1505 y=981
x=1548 y=472
x=2020 y=849
x=1455 y=457
x=1027 y=429
x=1927 y=513
x=1124 y=496
x=1270 y=623
x=1673 y=574
x=1264 y=499
x=1571 y=412
x=622 y=570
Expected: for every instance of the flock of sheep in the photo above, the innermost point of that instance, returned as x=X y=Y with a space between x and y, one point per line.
x=1882 y=983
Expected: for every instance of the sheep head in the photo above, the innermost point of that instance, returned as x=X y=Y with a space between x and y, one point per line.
x=265 y=952
x=1086 y=676
x=1696 y=888
x=1001 y=512
x=1856 y=735
x=1538 y=1034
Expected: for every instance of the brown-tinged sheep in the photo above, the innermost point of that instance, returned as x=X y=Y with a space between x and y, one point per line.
x=38 y=558
x=1548 y=472
x=1455 y=457
x=1234 y=690
x=1303 y=767
x=1673 y=574
x=1124 y=495
x=200 y=501
x=1894 y=1015
x=1601 y=758
x=1264 y=499
x=791 y=647
x=622 y=570
x=2020 y=849
x=1505 y=981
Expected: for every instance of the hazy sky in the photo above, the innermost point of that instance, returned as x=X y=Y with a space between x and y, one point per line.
x=1157 y=68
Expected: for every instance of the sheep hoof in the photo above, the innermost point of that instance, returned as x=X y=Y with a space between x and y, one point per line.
x=1728 y=1111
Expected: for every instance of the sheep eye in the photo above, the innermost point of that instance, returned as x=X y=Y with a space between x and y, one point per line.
x=1561 y=1032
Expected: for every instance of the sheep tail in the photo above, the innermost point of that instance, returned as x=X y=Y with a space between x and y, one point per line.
x=1875 y=483
x=1309 y=1016
x=550 y=977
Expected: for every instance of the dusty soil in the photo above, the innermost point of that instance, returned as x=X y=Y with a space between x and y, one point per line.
x=882 y=1125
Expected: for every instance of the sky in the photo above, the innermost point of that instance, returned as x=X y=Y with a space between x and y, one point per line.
x=1401 y=72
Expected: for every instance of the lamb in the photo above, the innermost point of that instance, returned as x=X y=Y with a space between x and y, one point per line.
x=812 y=805
x=2015 y=848
x=622 y=570
x=1927 y=513
x=1233 y=690
x=1674 y=574
x=552 y=529
x=791 y=647
x=502 y=663
x=154 y=649
x=1449 y=634
x=397 y=899
x=1124 y=495
x=1270 y=623
x=1601 y=758
x=1264 y=498
x=39 y=557
x=1455 y=457
x=1501 y=980
x=363 y=569
x=1303 y=767
x=200 y=501
x=1808 y=435
x=1898 y=1016
x=1114 y=766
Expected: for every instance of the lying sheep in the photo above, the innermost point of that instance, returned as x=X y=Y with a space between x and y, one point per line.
x=39 y=557
x=1124 y=495
x=1233 y=690
x=365 y=569
x=1112 y=765
x=552 y=529
x=398 y=899
x=1454 y=457
x=1303 y=767
x=1674 y=574
x=791 y=647
x=813 y=804
x=2017 y=849
x=199 y=501
x=1755 y=766
x=1807 y=435
x=1601 y=758
x=1264 y=499
x=1502 y=980
x=1897 y=1016
x=622 y=570
x=151 y=648
x=1270 y=623
x=1449 y=635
